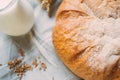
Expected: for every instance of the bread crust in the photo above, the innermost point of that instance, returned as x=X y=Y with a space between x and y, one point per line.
x=87 y=43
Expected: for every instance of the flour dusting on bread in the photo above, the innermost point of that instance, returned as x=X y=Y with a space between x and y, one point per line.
x=87 y=38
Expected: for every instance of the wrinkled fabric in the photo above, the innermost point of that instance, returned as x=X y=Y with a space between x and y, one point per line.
x=38 y=44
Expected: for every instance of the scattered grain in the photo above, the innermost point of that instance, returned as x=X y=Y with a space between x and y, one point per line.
x=35 y=63
x=46 y=4
x=43 y=66
x=21 y=52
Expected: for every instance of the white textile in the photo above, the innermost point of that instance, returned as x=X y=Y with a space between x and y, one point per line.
x=39 y=45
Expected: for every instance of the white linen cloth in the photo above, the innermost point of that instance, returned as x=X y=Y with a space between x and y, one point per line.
x=38 y=45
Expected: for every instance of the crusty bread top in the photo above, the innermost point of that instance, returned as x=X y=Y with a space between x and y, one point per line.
x=104 y=8
x=87 y=38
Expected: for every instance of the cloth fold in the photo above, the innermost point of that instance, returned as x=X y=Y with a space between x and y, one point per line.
x=37 y=45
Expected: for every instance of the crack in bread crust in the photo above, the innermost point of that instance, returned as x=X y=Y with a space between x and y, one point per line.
x=88 y=44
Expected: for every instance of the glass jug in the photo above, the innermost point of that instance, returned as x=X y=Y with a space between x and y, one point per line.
x=16 y=17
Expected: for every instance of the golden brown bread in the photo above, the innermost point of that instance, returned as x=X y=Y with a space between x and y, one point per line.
x=86 y=37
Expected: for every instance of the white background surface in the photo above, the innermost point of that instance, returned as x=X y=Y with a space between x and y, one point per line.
x=43 y=48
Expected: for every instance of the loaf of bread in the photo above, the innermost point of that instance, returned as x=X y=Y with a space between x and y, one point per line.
x=86 y=37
